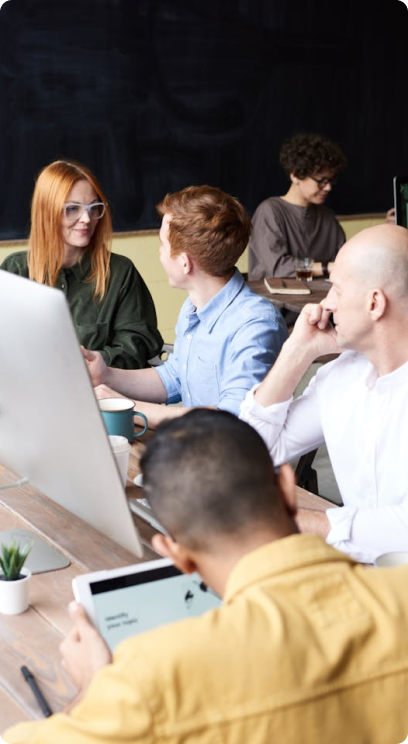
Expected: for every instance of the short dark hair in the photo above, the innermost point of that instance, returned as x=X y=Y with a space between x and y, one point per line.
x=208 y=474
x=208 y=224
x=306 y=154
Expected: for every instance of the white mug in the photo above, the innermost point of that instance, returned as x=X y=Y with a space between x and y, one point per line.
x=389 y=560
x=121 y=450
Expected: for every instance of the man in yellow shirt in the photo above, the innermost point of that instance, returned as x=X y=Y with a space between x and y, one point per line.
x=308 y=646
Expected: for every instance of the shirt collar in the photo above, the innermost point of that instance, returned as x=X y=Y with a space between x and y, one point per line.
x=298 y=207
x=82 y=267
x=278 y=557
x=397 y=377
x=211 y=312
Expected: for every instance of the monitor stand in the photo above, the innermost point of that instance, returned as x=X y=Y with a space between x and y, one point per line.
x=42 y=556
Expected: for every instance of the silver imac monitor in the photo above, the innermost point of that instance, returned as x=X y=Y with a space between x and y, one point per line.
x=51 y=429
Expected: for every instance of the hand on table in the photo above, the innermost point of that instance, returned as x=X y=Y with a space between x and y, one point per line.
x=83 y=650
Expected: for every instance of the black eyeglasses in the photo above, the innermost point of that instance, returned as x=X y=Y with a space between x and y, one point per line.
x=322 y=182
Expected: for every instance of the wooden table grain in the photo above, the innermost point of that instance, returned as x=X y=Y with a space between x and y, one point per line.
x=33 y=638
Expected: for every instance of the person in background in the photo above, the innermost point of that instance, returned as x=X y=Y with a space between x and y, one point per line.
x=226 y=335
x=307 y=646
x=70 y=248
x=299 y=224
x=356 y=404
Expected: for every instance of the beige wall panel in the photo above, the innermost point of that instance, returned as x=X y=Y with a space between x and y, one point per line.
x=143 y=250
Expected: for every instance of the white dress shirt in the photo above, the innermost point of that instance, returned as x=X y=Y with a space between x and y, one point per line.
x=363 y=419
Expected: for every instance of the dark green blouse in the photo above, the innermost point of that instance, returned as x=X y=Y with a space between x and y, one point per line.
x=123 y=326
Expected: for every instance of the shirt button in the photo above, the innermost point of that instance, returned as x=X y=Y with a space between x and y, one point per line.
x=184 y=366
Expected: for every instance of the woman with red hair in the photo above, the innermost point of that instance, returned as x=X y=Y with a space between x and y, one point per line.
x=70 y=248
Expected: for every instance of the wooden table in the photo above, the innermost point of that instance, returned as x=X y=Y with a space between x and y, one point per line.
x=319 y=289
x=33 y=637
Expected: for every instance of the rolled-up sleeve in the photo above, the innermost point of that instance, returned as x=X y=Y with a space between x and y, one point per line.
x=290 y=428
x=367 y=533
x=169 y=375
x=132 y=336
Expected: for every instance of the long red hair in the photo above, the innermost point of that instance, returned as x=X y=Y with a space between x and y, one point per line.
x=45 y=246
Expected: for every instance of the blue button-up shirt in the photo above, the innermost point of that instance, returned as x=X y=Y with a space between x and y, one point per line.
x=223 y=349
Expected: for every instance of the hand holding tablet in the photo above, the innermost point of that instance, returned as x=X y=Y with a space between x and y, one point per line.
x=135 y=599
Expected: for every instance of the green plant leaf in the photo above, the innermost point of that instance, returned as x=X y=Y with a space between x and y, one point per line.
x=12 y=559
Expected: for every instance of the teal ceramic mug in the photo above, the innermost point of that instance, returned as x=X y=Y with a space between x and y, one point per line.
x=119 y=417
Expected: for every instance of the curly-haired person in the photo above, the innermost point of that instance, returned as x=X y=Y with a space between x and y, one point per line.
x=298 y=223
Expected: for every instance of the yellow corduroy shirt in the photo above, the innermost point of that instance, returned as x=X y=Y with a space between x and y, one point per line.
x=307 y=647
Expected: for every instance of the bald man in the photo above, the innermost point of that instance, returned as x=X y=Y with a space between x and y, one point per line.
x=357 y=404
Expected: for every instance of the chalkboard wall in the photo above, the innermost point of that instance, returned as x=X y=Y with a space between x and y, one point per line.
x=155 y=96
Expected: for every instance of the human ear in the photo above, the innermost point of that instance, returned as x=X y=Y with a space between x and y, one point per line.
x=378 y=304
x=186 y=263
x=181 y=556
x=161 y=543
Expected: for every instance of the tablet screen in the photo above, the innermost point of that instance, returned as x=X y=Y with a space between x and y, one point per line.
x=137 y=602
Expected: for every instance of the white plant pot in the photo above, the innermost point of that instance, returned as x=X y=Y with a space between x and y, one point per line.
x=14 y=594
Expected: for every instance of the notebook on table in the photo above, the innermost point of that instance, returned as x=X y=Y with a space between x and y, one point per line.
x=286 y=286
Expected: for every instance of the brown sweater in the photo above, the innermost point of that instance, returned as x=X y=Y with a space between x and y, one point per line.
x=282 y=231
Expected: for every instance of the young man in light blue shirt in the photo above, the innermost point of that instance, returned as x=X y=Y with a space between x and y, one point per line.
x=226 y=335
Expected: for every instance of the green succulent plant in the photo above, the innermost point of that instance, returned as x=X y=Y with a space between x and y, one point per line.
x=12 y=559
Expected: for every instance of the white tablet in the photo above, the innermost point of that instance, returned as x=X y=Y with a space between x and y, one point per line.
x=134 y=599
